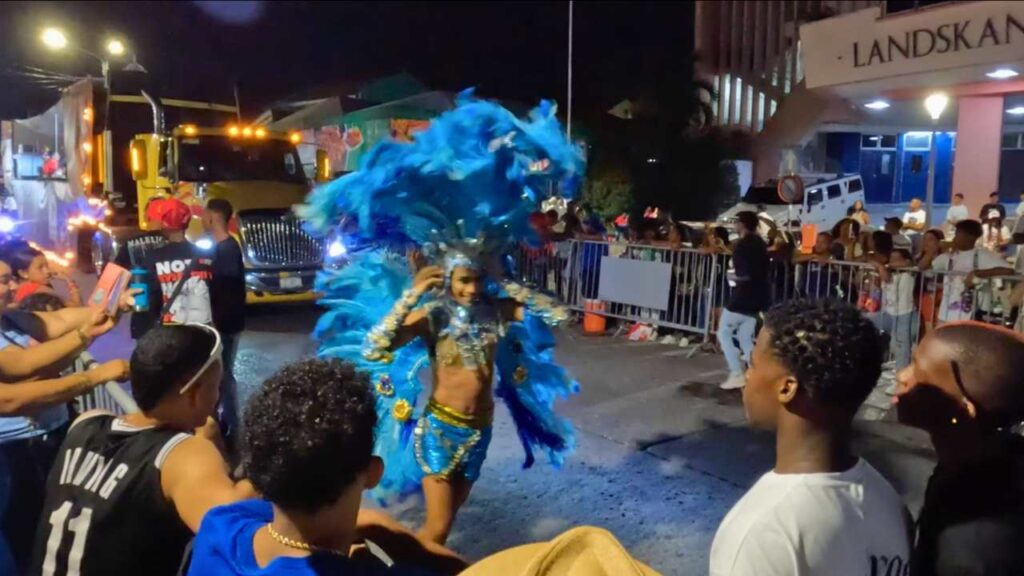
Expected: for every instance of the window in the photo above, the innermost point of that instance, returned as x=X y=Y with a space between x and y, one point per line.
x=878 y=142
x=917 y=141
x=834 y=191
x=1012 y=141
x=855 y=185
x=814 y=197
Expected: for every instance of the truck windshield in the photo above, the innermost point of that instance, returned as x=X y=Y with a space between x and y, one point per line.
x=763 y=195
x=222 y=159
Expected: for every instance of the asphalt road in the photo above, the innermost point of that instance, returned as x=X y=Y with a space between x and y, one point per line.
x=662 y=452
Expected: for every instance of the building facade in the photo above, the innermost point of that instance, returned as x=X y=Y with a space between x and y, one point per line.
x=839 y=86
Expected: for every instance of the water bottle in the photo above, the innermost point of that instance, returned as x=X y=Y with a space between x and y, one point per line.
x=139 y=282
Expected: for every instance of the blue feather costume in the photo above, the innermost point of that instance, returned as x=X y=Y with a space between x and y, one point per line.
x=462 y=190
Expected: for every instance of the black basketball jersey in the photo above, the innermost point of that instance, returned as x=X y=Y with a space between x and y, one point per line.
x=105 y=512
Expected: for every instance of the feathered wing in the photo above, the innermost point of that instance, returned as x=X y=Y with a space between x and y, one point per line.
x=357 y=297
x=529 y=381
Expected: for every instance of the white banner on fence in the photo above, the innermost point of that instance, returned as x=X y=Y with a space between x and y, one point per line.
x=636 y=282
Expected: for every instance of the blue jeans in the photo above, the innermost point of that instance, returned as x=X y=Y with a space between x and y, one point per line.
x=732 y=328
x=902 y=331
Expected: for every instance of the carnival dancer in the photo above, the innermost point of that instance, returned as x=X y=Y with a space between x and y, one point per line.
x=456 y=199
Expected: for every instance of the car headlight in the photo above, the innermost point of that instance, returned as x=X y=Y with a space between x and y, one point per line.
x=336 y=248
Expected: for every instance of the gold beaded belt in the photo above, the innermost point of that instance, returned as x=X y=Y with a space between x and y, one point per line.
x=458 y=419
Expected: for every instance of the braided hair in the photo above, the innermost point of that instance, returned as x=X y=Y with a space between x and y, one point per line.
x=835 y=353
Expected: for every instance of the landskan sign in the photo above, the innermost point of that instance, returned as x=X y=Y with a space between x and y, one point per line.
x=861 y=46
x=957 y=36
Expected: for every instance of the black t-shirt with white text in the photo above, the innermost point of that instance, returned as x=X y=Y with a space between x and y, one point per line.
x=166 y=267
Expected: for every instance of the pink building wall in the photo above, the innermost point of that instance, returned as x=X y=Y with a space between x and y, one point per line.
x=978 y=140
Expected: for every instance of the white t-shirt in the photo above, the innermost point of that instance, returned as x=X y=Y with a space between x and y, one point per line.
x=898 y=294
x=957 y=213
x=952 y=308
x=847 y=524
x=992 y=237
x=914 y=217
x=1020 y=209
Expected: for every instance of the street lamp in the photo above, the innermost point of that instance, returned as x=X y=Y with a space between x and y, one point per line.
x=115 y=47
x=935 y=104
x=55 y=39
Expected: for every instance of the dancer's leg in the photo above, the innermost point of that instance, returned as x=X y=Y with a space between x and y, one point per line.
x=443 y=500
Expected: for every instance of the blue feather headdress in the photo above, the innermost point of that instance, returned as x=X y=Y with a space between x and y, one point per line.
x=468 y=182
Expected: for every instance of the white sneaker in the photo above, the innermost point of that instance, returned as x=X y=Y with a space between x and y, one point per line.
x=735 y=381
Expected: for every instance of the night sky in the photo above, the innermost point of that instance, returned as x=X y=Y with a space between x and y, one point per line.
x=511 y=50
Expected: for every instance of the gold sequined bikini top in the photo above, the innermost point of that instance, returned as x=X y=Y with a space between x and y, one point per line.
x=463 y=337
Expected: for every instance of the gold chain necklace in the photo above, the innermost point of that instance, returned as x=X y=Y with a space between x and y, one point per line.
x=299 y=545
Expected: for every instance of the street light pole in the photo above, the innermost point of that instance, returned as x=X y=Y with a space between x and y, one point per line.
x=568 y=121
x=929 y=198
x=935 y=104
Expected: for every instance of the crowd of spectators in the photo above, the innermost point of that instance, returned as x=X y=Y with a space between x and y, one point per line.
x=96 y=493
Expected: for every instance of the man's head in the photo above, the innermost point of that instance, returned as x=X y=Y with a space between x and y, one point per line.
x=893 y=225
x=746 y=223
x=823 y=243
x=176 y=372
x=965 y=376
x=993 y=197
x=915 y=204
x=175 y=216
x=466 y=285
x=967 y=234
x=552 y=216
x=815 y=360
x=958 y=199
x=881 y=242
x=309 y=437
x=217 y=214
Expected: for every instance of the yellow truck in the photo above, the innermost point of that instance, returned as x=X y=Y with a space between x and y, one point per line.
x=258 y=171
x=82 y=173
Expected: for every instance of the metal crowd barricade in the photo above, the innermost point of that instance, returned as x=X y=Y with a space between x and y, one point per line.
x=110 y=397
x=907 y=306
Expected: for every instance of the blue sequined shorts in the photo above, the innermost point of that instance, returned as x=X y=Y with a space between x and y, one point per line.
x=450 y=443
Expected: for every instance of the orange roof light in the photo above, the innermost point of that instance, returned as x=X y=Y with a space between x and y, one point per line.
x=261 y=133
x=87 y=147
x=232 y=131
x=190 y=130
x=247 y=131
x=135 y=159
x=295 y=137
x=87 y=114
